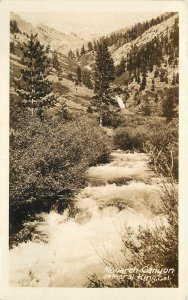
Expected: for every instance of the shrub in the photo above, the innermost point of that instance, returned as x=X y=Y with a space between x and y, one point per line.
x=49 y=158
x=169 y=103
x=111 y=119
x=162 y=147
x=129 y=138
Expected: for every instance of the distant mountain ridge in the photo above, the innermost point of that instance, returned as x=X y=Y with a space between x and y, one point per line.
x=57 y=40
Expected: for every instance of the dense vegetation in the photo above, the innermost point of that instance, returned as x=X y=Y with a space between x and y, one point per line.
x=48 y=155
x=156 y=137
x=47 y=158
x=161 y=48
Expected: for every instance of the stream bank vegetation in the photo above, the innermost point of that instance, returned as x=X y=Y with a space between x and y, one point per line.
x=155 y=246
x=50 y=159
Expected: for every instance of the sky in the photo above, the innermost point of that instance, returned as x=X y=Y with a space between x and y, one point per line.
x=88 y=24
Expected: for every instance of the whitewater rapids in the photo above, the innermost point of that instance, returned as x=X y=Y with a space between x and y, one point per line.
x=67 y=250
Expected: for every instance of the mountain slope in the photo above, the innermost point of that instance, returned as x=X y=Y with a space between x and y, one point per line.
x=157 y=30
x=58 y=41
x=143 y=61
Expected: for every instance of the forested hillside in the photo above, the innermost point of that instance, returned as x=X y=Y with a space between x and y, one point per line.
x=146 y=61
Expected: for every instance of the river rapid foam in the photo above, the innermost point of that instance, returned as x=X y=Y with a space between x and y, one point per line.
x=68 y=249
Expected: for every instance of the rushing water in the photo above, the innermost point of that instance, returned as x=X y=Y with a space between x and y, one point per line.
x=67 y=250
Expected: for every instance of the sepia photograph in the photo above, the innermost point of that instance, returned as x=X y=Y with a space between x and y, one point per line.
x=93 y=149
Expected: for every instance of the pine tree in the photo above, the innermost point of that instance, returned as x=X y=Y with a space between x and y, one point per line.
x=104 y=73
x=162 y=75
x=83 y=51
x=168 y=105
x=14 y=27
x=79 y=74
x=104 y=68
x=48 y=49
x=95 y=46
x=86 y=79
x=35 y=90
x=77 y=54
x=63 y=111
x=144 y=80
x=90 y=47
x=70 y=54
x=55 y=61
x=121 y=67
x=56 y=65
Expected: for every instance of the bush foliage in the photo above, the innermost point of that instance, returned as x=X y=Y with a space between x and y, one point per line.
x=47 y=158
x=130 y=138
x=162 y=147
x=156 y=137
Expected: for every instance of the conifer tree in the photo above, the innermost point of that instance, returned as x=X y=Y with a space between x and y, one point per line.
x=90 y=47
x=55 y=60
x=70 y=54
x=56 y=64
x=104 y=73
x=77 y=54
x=86 y=79
x=104 y=68
x=79 y=74
x=144 y=80
x=14 y=27
x=48 y=49
x=35 y=90
x=162 y=75
x=121 y=67
x=63 y=111
x=83 y=51
x=168 y=105
x=95 y=46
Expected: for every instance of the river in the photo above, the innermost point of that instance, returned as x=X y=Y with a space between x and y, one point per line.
x=66 y=249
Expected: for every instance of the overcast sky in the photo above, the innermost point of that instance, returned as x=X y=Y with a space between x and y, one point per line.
x=86 y=24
